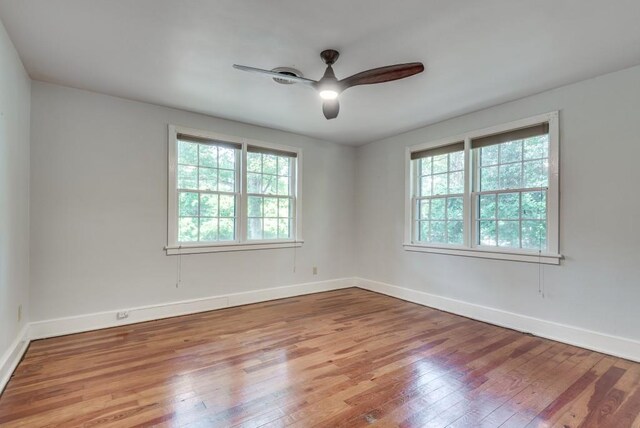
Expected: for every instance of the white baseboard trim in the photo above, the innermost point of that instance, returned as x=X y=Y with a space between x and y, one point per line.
x=600 y=342
x=107 y=319
x=12 y=356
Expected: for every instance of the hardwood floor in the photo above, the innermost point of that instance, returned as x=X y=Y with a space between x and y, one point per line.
x=346 y=358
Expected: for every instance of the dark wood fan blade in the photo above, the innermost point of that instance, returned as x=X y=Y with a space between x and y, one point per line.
x=276 y=75
x=330 y=108
x=383 y=74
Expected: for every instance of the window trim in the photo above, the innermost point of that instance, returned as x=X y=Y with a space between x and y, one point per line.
x=469 y=247
x=241 y=243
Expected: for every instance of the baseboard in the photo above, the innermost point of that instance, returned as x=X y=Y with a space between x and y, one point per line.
x=99 y=320
x=12 y=356
x=600 y=342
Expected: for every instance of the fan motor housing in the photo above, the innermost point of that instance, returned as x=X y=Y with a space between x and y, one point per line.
x=287 y=71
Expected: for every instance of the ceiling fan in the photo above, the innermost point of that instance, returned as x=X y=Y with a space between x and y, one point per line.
x=329 y=87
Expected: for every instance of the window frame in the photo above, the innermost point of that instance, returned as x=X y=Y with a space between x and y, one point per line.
x=241 y=243
x=470 y=247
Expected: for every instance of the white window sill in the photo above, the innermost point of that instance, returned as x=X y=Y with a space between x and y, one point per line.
x=522 y=256
x=222 y=248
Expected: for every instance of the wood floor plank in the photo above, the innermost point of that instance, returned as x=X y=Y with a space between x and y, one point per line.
x=346 y=358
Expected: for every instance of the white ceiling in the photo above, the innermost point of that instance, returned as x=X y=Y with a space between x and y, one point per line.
x=179 y=54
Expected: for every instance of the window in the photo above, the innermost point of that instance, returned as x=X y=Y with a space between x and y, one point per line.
x=511 y=190
x=440 y=191
x=270 y=194
x=207 y=189
x=490 y=193
x=229 y=194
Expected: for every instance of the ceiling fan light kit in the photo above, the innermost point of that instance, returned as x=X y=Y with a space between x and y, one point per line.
x=329 y=87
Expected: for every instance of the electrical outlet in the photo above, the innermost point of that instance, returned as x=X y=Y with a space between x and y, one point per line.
x=122 y=315
x=315 y=270
x=19 y=313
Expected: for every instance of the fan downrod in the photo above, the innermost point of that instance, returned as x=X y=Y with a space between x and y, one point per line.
x=329 y=56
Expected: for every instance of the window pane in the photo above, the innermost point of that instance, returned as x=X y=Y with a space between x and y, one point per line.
x=509 y=234
x=270 y=207
x=456 y=161
x=254 y=206
x=255 y=228
x=534 y=205
x=425 y=168
x=437 y=209
x=438 y=231
x=509 y=206
x=227 y=181
x=187 y=177
x=535 y=173
x=208 y=205
x=283 y=186
x=208 y=229
x=456 y=182
x=270 y=228
x=227 y=158
x=489 y=155
x=455 y=230
x=254 y=162
x=284 y=166
x=226 y=230
x=440 y=164
x=487 y=232
x=187 y=204
x=208 y=179
x=440 y=184
x=423 y=209
x=423 y=231
x=454 y=209
x=270 y=164
x=487 y=206
x=188 y=229
x=534 y=235
x=283 y=228
x=254 y=183
x=510 y=176
x=208 y=156
x=511 y=151
x=283 y=208
x=536 y=147
x=269 y=184
x=227 y=206
x=489 y=178
x=187 y=153
x=425 y=186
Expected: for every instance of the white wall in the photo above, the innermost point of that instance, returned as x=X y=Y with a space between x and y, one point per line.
x=99 y=209
x=597 y=287
x=15 y=87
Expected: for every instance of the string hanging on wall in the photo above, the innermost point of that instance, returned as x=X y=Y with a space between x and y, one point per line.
x=295 y=257
x=179 y=268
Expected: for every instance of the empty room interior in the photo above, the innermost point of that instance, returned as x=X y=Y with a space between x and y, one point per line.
x=319 y=214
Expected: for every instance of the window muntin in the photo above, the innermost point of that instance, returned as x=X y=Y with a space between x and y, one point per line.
x=207 y=191
x=270 y=197
x=511 y=193
x=439 y=200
